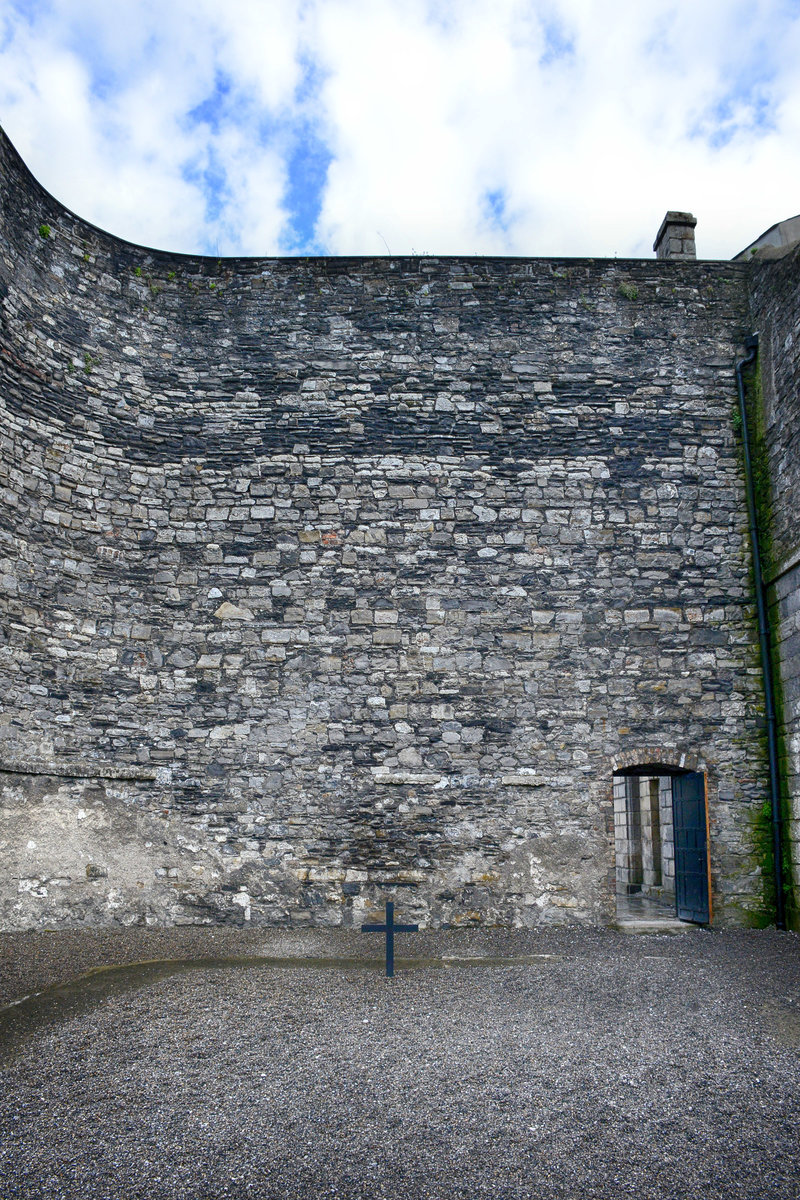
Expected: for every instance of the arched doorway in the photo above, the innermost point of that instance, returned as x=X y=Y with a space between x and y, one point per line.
x=661 y=843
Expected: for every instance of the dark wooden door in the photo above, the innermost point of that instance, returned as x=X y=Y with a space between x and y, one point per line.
x=691 y=847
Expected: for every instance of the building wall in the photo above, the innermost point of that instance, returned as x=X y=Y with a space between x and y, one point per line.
x=775 y=288
x=336 y=579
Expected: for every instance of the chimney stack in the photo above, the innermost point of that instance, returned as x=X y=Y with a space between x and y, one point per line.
x=675 y=238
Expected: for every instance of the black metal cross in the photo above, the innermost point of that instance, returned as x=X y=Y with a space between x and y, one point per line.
x=390 y=929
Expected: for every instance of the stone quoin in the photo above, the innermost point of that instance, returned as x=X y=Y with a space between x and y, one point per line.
x=337 y=579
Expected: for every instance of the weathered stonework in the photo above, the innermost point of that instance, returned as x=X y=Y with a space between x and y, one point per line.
x=335 y=579
x=775 y=299
x=675 y=238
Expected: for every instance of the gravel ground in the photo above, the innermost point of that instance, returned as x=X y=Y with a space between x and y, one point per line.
x=576 y=1064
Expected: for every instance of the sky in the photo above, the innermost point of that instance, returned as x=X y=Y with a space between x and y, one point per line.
x=373 y=127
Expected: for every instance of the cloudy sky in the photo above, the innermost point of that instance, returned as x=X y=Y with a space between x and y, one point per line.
x=532 y=127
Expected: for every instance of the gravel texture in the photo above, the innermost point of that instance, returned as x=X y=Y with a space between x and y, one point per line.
x=573 y=1064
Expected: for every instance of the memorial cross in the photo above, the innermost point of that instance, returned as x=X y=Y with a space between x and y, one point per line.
x=390 y=929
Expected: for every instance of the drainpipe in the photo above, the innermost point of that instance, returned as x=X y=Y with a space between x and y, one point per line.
x=751 y=345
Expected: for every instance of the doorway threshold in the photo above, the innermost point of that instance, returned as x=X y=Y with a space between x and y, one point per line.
x=648 y=914
x=653 y=925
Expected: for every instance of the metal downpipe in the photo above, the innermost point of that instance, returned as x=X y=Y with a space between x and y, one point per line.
x=751 y=345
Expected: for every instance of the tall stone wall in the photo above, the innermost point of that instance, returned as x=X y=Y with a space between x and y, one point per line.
x=326 y=580
x=776 y=315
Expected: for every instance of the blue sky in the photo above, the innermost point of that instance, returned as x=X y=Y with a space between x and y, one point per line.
x=532 y=127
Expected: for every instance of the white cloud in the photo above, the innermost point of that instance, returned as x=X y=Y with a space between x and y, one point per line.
x=589 y=149
x=454 y=126
x=98 y=100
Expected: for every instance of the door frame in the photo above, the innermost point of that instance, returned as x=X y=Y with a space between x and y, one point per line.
x=653 y=762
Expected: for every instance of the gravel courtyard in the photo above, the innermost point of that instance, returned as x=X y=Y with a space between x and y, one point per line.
x=496 y=1064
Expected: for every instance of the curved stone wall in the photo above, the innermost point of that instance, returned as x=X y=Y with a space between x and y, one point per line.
x=335 y=579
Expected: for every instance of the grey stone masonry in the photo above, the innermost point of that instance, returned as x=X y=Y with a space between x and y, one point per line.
x=775 y=299
x=326 y=581
x=675 y=238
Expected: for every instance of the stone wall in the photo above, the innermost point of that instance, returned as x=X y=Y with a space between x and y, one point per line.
x=775 y=301
x=337 y=579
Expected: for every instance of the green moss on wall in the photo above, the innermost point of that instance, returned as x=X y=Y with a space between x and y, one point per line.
x=762 y=824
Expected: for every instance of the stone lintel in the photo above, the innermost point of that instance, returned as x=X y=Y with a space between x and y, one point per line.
x=398 y=778
x=83 y=769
